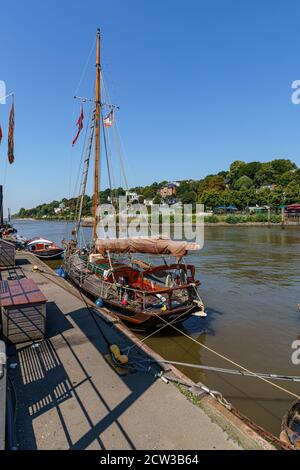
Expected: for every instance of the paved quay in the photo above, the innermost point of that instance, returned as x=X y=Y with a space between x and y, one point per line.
x=70 y=396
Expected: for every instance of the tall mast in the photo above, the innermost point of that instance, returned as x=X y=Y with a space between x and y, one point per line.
x=97 y=133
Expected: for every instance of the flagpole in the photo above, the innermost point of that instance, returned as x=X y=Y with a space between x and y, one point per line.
x=97 y=134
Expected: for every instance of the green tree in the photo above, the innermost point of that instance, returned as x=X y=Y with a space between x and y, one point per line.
x=250 y=170
x=189 y=197
x=265 y=175
x=149 y=192
x=264 y=197
x=292 y=193
x=22 y=212
x=245 y=198
x=244 y=182
x=282 y=165
x=235 y=169
x=211 y=198
x=212 y=182
x=157 y=199
x=288 y=177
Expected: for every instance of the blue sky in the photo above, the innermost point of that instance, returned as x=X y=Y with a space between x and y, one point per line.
x=199 y=83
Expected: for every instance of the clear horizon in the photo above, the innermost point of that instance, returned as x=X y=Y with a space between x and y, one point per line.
x=199 y=84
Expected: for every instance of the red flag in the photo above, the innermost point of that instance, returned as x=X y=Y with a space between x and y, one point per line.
x=0 y=134
x=11 y=131
x=79 y=125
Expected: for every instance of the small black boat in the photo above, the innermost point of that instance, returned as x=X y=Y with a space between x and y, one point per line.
x=44 y=249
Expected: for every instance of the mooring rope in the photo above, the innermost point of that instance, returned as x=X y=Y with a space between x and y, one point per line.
x=291 y=378
x=239 y=366
x=158 y=330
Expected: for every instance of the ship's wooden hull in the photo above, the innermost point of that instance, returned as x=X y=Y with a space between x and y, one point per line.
x=135 y=316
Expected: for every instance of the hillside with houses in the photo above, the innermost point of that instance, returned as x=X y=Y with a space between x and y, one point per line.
x=244 y=186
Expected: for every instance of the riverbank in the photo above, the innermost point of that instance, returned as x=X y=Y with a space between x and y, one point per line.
x=71 y=395
x=208 y=222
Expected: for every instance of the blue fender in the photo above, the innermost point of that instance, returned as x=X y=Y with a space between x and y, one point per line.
x=99 y=302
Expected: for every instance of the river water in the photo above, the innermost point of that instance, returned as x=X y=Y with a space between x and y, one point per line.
x=251 y=289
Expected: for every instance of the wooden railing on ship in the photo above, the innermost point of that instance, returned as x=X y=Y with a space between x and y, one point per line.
x=122 y=290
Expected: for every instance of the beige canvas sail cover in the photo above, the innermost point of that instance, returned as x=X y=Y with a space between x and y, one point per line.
x=151 y=245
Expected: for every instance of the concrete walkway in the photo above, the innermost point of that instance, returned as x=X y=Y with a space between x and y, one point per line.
x=71 y=397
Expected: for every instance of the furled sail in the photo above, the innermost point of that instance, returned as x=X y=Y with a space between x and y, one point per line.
x=151 y=245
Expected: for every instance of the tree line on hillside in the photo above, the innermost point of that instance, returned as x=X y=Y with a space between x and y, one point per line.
x=245 y=184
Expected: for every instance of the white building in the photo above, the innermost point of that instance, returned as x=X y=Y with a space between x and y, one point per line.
x=132 y=197
x=148 y=202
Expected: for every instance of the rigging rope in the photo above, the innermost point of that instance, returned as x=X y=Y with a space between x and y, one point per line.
x=118 y=151
x=73 y=118
x=117 y=139
x=81 y=296
x=90 y=114
x=77 y=189
x=157 y=330
x=107 y=158
x=91 y=311
x=85 y=66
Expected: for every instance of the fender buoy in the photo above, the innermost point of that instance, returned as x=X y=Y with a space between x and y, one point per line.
x=99 y=302
x=61 y=272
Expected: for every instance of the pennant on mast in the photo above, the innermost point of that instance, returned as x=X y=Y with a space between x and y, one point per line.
x=11 y=131
x=79 y=125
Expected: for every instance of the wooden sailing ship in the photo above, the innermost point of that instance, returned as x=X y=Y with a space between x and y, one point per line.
x=142 y=294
